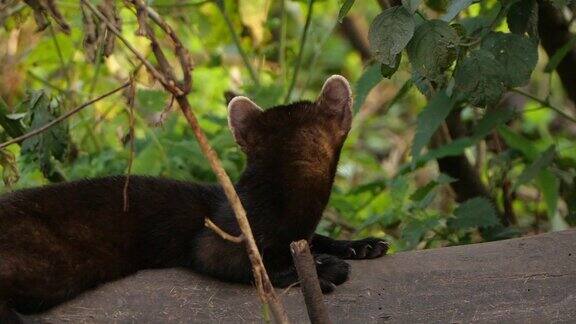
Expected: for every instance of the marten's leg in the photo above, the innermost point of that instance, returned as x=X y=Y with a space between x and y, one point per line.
x=367 y=248
x=228 y=261
x=331 y=271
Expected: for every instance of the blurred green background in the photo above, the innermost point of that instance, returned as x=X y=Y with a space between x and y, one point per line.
x=378 y=190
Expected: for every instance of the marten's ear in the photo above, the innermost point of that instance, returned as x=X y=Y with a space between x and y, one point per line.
x=241 y=111
x=337 y=97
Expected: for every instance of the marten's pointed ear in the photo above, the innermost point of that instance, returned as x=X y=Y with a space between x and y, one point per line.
x=241 y=111
x=337 y=96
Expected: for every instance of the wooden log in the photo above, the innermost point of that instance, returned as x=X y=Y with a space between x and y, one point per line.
x=526 y=280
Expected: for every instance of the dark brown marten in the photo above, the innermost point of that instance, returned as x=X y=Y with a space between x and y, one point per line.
x=60 y=240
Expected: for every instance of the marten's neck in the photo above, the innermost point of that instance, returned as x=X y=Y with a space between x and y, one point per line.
x=289 y=196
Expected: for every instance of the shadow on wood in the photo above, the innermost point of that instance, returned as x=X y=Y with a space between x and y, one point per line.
x=522 y=280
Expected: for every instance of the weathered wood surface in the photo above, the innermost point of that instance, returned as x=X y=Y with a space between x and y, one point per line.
x=527 y=280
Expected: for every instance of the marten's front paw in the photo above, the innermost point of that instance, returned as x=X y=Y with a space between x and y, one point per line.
x=368 y=248
x=332 y=271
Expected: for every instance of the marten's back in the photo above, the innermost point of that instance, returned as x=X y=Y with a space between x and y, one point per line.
x=79 y=231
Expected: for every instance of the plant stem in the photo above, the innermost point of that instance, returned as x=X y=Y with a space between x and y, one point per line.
x=282 y=50
x=236 y=39
x=547 y=104
x=301 y=51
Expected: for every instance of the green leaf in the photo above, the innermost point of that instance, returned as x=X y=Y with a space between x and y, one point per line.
x=415 y=227
x=388 y=70
x=402 y=92
x=560 y=54
x=368 y=80
x=433 y=48
x=523 y=18
x=411 y=5
x=531 y=171
x=550 y=187
x=424 y=195
x=517 y=142
x=517 y=54
x=480 y=79
x=454 y=9
x=475 y=212
x=52 y=142
x=344 y=9
x=389 y=33
x=429 y=120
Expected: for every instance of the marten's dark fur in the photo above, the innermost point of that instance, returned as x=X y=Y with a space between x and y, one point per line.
x=60 y=240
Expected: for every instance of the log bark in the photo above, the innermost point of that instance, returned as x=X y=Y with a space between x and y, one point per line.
x=526 y=280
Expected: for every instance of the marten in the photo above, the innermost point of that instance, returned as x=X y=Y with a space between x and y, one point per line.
x=60 y=240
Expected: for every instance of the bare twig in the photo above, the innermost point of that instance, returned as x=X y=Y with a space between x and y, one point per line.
x=306 y=268
x=264 y=287
x=236 y=239
x=300 y=51
x=131 y=98
x=547 y=104
x=170 y=86
x=63 y=117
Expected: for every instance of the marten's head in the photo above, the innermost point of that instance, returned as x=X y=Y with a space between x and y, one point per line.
x=304 y=135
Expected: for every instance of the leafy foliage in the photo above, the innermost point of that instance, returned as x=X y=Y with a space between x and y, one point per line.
x=440 y=69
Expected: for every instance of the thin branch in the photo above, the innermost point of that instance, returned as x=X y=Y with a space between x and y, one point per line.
x=63 y=117
x=282 y=46
x=181 y=4
x=236 y=39
x=306 y=268
x=235 y=239
x=301 y=50
x=131 y=99
x=547 y=104
x=60 y=57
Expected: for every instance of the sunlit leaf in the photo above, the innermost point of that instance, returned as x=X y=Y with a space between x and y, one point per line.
x=346 y=6
x=549 y=185
x=531 y=171
x=9 y=168
x=254 y=14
